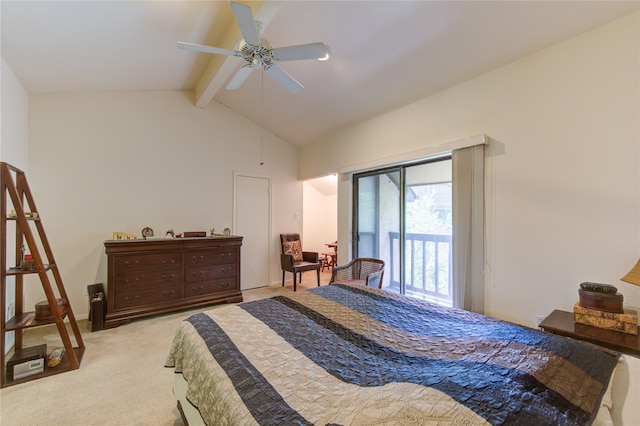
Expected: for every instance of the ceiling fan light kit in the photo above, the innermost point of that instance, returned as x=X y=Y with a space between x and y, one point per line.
x=259 y=54
x=327 y=54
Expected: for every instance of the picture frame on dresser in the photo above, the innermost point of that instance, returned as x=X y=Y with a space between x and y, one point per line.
x=157 y=276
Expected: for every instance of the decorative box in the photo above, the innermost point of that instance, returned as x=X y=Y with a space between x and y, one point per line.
x=27 y=362
x=626 y=322
x=44 y=312
x=609 y=302
x=195 y=234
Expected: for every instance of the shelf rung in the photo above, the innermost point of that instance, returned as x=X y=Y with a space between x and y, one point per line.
x=63 y=367
x=19 y=271
x=20 y=321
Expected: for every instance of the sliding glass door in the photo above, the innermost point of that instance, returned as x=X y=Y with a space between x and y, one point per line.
x=377 y=218
x=402 y=215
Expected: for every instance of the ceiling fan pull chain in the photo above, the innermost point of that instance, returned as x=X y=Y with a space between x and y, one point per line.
x=261 y=117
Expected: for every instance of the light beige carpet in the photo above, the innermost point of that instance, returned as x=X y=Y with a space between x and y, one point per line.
x=121 y=381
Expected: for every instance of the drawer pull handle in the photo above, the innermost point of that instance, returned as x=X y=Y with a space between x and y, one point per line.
x=197 y=258
x=225 y=254
x=135 y=280
x=225 y=270
x=227 y=284
x=168 y=293
x=168 y=262
x=197 y=273
x=126 y=299
x=168 y=278
x=134 y=263
x=196 y=289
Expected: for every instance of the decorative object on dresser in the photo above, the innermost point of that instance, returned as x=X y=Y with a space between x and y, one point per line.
x=148 y=277
x=124 y=236
x=194 y=234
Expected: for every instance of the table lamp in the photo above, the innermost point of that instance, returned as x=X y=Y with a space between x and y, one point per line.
x=633 y=276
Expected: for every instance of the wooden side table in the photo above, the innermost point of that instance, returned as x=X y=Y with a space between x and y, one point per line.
x=563 y=324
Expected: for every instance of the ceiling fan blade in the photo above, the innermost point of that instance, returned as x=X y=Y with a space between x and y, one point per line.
x=282 y=77
x=208 y=49
x=246 y=22
x=301 y=51
x=241 y=76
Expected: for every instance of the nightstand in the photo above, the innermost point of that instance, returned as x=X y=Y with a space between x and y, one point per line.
x=562 y=324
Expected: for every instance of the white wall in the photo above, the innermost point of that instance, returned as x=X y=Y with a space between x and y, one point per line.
x=105 y=162
x=13 y=150
x=563 y=185
x=14 y=122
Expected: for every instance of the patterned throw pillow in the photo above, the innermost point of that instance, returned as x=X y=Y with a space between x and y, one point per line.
x=293 y=248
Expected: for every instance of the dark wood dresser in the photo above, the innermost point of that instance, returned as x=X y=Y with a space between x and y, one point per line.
x=148 y=277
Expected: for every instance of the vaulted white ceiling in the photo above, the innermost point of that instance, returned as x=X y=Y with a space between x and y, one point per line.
x=385 y=54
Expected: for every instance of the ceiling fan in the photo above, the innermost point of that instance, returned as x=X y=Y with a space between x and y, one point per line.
x=258 y=52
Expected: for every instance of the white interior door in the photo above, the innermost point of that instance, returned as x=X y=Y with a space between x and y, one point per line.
x=252 y=221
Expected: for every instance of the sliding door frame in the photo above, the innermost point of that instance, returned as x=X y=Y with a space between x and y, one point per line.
x=401 y=169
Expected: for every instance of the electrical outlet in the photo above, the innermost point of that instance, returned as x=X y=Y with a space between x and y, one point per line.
x=11 y=310
x=539 y=319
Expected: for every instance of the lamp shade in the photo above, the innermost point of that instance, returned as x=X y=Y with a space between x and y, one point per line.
x=633 y=276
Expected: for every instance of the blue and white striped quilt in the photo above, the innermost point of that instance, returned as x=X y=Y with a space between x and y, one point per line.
x=347 y=354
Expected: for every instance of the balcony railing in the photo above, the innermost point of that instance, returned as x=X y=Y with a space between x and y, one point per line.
x=428 y=266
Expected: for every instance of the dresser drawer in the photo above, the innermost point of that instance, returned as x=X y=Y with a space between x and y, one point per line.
x=210 y=257
x=144 y=262
x=133 y=299
x=208 y=273
x=134 y=281
x=208 y=287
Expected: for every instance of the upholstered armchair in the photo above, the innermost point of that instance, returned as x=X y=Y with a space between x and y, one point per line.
x=293 y=259
x=363 y=270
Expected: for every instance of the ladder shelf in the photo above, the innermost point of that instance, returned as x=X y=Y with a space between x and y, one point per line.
x=14 y=189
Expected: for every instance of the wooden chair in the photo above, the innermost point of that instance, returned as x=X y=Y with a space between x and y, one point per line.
x=328 y=260
x=293 y=259
x=363 y=270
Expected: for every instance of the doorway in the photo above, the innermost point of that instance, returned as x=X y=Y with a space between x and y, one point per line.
x=252 y=220
x=320 y=213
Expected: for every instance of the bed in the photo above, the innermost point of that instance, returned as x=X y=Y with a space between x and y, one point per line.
x=348 y=354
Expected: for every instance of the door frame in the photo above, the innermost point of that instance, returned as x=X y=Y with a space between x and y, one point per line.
x=238 y=174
